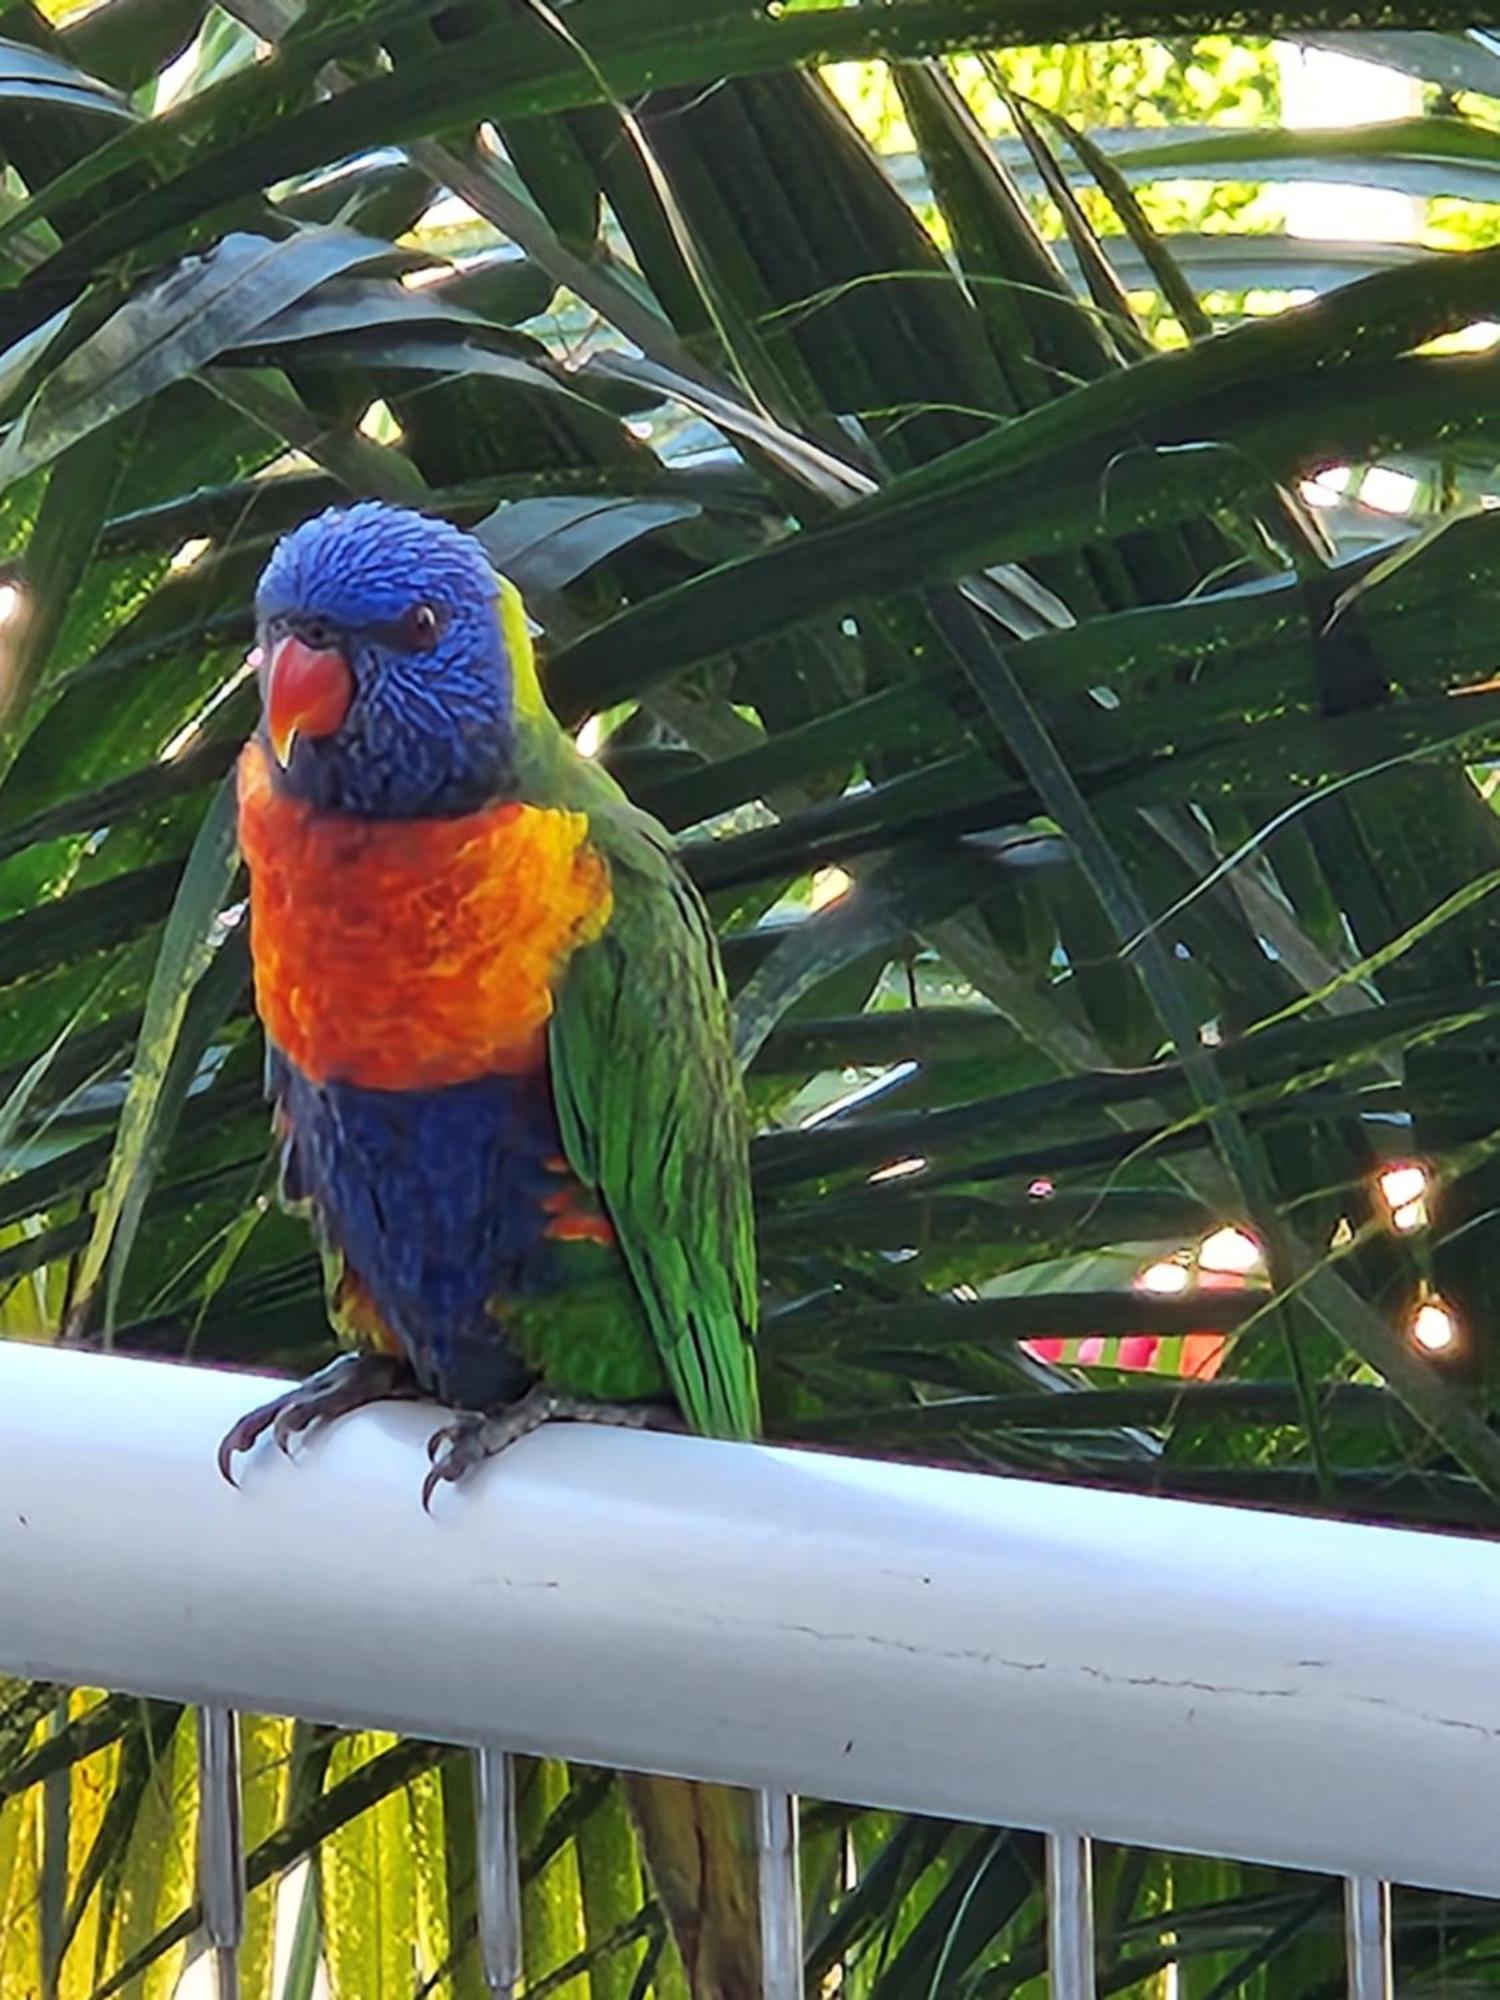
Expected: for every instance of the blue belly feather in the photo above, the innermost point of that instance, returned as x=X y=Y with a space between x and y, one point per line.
x=435 y=1199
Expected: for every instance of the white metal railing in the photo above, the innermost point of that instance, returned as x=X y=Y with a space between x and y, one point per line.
x=1315 y=1694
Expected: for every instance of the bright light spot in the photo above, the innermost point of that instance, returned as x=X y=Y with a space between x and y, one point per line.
x=450 y=211
x=1328 y=488
x=1040 y=1188
x=1229 y=1249
x=829 y=885
x=849 y=627
x=1166 y=1279
x=11 y=599
x=289 y=1893
x=191 y=550
x=1478 y=338
x=1387 y=491
x=1211 y=1035
x=198 y=1981
x=1343 y=1234
x=1404 y=1188
x=590 y=736
x=424 y=275
x=1403 y=1185
x=1434 y=1327
x=898 y=1170
x=379 y=424
x=1320 y=88
x=175 y=77
x=489 y=139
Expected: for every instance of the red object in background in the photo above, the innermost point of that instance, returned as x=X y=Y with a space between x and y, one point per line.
x=1199 y=1358
x=1203 y=1355
x=1138 y=1350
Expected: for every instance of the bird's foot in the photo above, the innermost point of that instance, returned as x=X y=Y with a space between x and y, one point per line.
x=347 y=1383
x=473 y=1436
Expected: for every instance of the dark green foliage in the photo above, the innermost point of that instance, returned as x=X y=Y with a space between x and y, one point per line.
x=1169 y=867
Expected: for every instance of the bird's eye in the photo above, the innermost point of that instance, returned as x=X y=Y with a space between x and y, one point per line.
x=420 y=625
x=320 y=635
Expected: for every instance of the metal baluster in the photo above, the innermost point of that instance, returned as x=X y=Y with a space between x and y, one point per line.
x=778 y=1859
x=1367 y=1938
x=1070 y=1916
x=221 y=1848
x=499 y=1871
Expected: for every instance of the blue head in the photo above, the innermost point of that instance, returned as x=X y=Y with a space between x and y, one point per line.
x=385 y=684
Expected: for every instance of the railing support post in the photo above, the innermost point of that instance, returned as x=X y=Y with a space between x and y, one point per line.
x=499 y=1889
x=1367 y=1933
x=221 y=1848
x=1070 y=1916
x=780 y=1895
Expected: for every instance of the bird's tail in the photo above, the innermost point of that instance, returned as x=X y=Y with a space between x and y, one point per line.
x=701 y=1848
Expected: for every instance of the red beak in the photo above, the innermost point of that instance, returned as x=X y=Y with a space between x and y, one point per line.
x=308 y=692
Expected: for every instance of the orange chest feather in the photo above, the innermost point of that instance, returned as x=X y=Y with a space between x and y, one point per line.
x=403 y=955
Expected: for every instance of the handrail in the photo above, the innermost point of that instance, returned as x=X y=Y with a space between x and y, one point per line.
x=1199 y=1678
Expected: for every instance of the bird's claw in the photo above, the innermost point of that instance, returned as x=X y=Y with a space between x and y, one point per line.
x=347 y=1383
x=457 y=1448
x=242 y=1436
x=453 y=1450
x=292 y=1417
x=472 y=1437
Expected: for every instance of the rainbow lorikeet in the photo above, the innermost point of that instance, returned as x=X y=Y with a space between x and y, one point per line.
x=498 y=1046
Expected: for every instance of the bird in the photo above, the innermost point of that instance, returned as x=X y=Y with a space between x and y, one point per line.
x=499 y=1061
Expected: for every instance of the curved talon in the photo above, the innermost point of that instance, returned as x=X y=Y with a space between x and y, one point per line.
x=293 y=1417
x=347 y=1383
x=244 y=1435
x=455 y=1449
x=452 y=1452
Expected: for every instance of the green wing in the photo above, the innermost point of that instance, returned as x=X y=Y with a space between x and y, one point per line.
x=653 y=1114
x=648 y=1096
